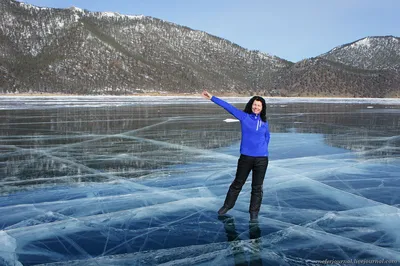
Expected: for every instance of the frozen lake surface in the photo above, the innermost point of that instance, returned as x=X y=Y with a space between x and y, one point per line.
x=138 y=181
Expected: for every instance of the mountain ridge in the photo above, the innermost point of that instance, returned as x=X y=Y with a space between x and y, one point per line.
x=75 y=51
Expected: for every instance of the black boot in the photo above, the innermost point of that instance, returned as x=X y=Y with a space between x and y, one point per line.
x=223 y=210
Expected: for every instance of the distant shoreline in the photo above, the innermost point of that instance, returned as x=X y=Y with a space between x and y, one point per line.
x=179 y=95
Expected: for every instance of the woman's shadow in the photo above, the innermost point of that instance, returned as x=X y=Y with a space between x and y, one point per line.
x=239 y=253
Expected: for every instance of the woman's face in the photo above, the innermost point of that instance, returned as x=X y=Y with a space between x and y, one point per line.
x=256 y=108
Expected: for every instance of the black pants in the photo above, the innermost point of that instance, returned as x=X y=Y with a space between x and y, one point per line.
x=258 y=165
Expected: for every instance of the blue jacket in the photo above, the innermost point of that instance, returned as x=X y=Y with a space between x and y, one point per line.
x=255 y=132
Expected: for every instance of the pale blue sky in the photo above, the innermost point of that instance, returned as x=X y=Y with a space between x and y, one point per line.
x=290 y=29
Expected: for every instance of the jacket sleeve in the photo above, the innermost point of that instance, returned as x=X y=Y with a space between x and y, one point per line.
x=267 y=134
x=239 y=114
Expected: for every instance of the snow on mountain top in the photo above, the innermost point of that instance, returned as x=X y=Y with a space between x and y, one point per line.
x=366 y=42
x=264 y=55
x=77 y=9
x=29 y=6
x=115 y=14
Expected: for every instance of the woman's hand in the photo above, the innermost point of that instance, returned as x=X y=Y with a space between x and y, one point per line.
x=206 y=95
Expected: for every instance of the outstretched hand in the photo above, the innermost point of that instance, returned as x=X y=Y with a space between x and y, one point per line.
x=206 y=95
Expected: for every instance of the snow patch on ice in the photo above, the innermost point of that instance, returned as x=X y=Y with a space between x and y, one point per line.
x=7 y=250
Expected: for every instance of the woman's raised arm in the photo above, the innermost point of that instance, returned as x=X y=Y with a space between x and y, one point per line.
x=228 y=107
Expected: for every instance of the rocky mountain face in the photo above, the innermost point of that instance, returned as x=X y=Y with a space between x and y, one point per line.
x=75 y=51
x=372 y=53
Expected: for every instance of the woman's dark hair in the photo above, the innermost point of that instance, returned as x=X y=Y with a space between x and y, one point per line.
x=263 y=113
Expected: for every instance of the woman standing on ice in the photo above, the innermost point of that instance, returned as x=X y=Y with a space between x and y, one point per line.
x=253 y=152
